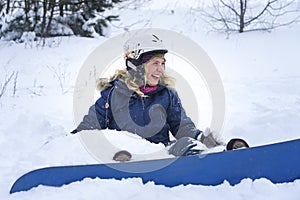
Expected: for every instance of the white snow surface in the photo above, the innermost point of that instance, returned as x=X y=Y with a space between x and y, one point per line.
x=261 y=76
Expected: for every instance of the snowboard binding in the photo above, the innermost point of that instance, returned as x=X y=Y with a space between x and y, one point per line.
x=122 y=156
x=236 y=143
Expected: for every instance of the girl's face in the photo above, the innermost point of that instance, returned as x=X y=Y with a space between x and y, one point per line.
x=154 y=70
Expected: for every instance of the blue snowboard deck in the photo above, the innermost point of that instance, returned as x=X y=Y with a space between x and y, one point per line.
x=278 y=162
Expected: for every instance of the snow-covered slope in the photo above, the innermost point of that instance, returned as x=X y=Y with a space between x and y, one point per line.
x=261 y=78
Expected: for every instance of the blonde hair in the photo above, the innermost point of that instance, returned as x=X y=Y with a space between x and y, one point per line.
x=132 y=82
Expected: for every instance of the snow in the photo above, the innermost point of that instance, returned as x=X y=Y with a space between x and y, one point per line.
x=259 y=71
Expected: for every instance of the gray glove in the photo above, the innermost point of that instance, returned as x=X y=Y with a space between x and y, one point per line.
x=209 y=138
x=186 y=146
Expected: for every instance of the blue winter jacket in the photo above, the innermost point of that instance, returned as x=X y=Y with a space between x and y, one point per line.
x=150 y=117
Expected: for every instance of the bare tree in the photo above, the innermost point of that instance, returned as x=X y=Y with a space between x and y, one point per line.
x=250 y=15
x=62 y=76
x=5 y=83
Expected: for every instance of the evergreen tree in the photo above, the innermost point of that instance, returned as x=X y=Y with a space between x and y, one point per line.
x=48 y=18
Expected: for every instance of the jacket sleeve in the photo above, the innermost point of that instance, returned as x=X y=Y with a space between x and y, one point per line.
x=180 y=124
x=97 y=116
x=89 y=121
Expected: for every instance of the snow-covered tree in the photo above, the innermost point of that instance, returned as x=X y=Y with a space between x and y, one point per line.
x=46 y=18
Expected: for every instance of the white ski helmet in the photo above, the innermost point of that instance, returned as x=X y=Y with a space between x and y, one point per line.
x=137 y=47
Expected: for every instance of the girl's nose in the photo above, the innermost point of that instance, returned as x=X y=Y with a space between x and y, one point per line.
x=160 y=68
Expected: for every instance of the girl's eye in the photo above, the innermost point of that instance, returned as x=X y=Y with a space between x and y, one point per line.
x=158 y=63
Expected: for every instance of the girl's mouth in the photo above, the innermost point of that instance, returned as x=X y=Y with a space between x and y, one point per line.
x=156 y=76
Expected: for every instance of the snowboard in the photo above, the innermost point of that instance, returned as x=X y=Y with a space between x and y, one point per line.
x=279 y=162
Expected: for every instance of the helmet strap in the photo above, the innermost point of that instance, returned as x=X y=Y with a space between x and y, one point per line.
x=130 y=65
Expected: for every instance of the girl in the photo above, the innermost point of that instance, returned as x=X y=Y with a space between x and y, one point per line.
x=141 y=99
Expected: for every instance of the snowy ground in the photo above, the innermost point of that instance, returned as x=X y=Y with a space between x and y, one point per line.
x=261 y=77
